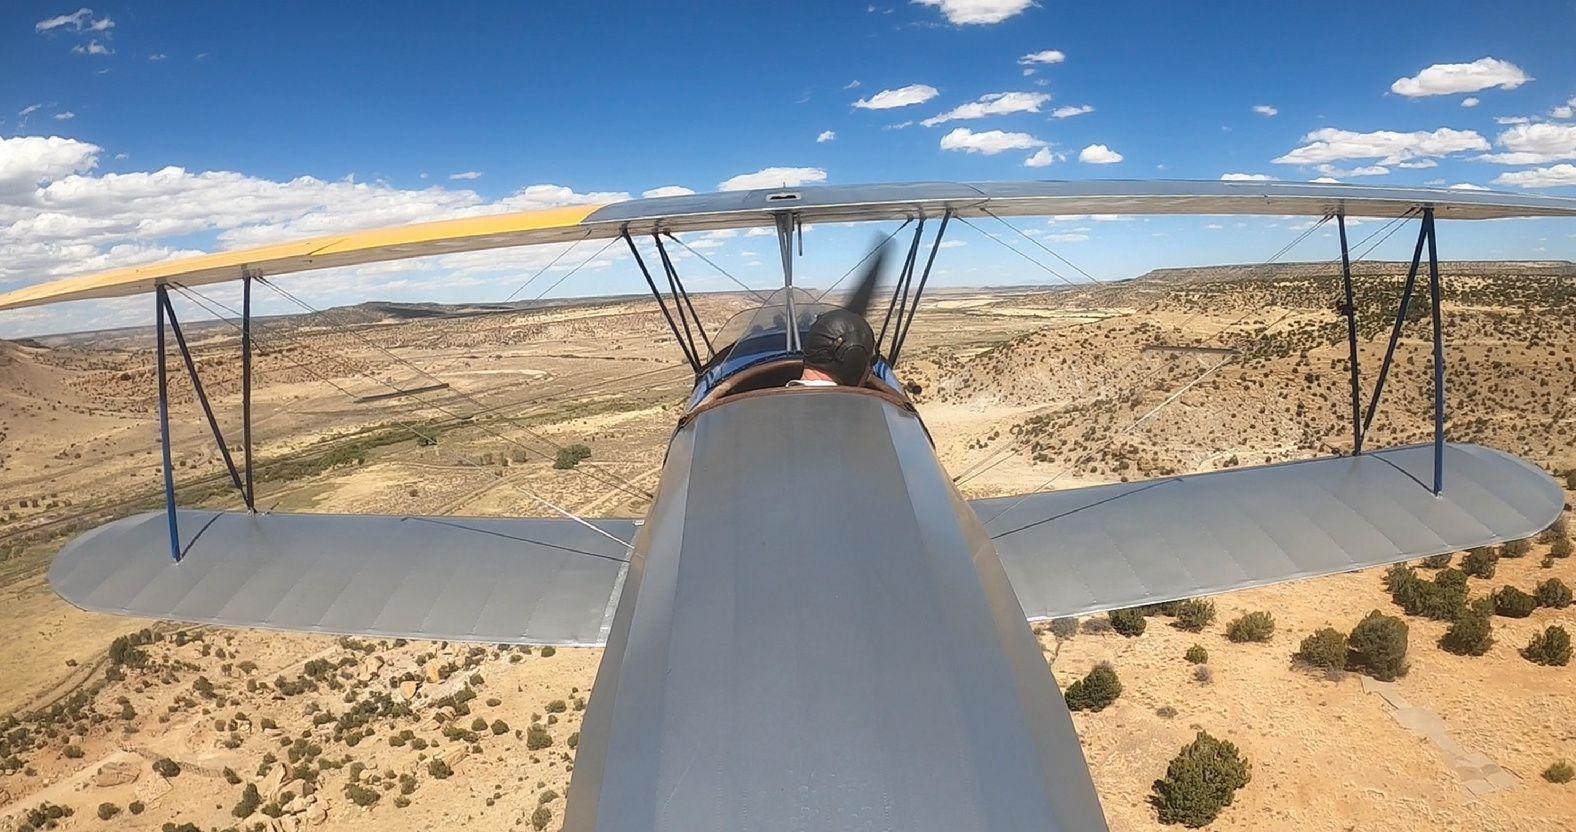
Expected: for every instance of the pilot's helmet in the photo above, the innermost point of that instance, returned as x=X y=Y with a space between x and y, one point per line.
x=840 y=344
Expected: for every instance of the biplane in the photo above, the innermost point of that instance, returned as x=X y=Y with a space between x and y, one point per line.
x=812 y=628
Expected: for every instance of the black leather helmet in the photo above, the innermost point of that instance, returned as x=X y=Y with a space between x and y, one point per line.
x=840 y=344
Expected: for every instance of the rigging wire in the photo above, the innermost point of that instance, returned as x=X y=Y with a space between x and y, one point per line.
x=707 y=260
x=551 y=263
x=1386 y=230
x=869 y=254
x=199 y=298
x=600 y=476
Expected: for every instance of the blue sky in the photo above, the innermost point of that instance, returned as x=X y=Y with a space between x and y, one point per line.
x=131 y=132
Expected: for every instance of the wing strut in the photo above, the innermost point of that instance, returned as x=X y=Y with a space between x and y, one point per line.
x=165 y=311
x=1425 y=237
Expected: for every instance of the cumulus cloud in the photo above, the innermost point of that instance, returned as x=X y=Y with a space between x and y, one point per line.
x=1352 y=173
x=1071 y=110
x=977 y=12
x=92 y=47
x=1265 y=110
x=1467 y=186
x=1564 y=111
x=773 y=178
x=1326 y=180
x=1041 y=158
x=466 y=175
x=988 y=142
x=1099 y=154
x=1556 y=176
x=58 y=218
x=1450 y=79
x=1534 y=144
x=900 y=97
x=1329 y=144
x=667 y=190
x=992 y=104
x=1246 y=177
x=1049 y=56
x=1470 y=101
x=826 y=136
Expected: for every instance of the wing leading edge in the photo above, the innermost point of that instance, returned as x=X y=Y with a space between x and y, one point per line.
x=506 y=581
x=1089 y=550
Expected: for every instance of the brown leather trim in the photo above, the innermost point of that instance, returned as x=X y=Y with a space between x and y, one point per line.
x=711 y=404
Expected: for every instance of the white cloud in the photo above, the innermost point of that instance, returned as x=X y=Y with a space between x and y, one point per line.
x=466 y=175
x=1099 y=154
x=900 y=97
x=1265 y=110
x=158 y=56
x=1326 y=180
x=773 y=178
x=1533 y=144
x=852 y=85
x=992 y=104
x=1418 y=164
x=1071 y=110
x=64 y=115
x=1041 y=158
x=667 y=190
x=1556 y=176
x=988 y=142
x=81 y=20
x=1329 y=144
x=1564 y=111
x=1363 y=170
x=1470 y=101
x=826 y=136
x=1049 y=56
x=1246 y=177
x=977 y=12
x=1449 y=79
x=26 y=161
x=29 y=110
x=1511 y=119
x=92 y=47
x=1467 y=186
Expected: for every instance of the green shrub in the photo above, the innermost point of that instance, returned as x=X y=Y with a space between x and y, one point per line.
x=499 y=728
x=1437 y=561
x=1441 y=599
x=1194 y=614
x=1515 y=549
x=1481 y=562
x=135 y=807
x=1561 y=548
x=1128 y=622
x=1378 y=645
x=537 y=738
x=1325 y=649
x=1559 y=771
x=1513 y=603
x=250 y=800
x=569 y=457
x=1096 y=691
x=1470 y=635
x=1553 y=593
x=557 y=706
x=1255 y=626
x=541 y=818
x=107 y=811
x=1551 y=647
x=1064 y=628
x=1200 y=781
x=361 y=795
x=439 y=769
x=1196 y=655
x=166 y=767
x=549 y=651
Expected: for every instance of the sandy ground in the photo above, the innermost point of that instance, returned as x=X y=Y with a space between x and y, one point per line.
x=1021 y=390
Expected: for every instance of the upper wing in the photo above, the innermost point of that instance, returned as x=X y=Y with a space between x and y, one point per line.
x=1113 y=546
x=514 y=581
x=813 y=204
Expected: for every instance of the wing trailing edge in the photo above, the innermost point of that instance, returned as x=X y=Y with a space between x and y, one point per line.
x=1108 y=547
x=493 y=580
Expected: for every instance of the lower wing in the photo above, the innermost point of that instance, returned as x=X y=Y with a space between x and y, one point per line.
x=508 y=581
x=1088 y=550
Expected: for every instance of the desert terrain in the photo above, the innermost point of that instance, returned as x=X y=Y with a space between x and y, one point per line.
x=135 y=725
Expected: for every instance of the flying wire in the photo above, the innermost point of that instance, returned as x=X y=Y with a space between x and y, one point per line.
x=203 y=301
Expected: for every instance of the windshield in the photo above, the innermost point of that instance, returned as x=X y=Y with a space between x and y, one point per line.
x=763 y=330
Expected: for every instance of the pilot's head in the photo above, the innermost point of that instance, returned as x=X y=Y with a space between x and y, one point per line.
x=842 y=345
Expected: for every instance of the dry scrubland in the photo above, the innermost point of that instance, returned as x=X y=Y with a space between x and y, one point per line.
x=1020 y=388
